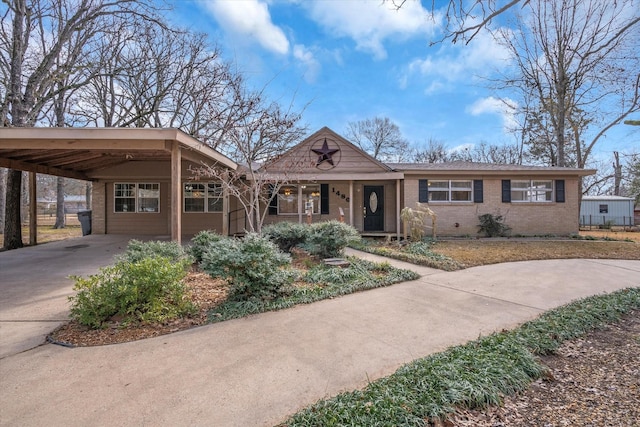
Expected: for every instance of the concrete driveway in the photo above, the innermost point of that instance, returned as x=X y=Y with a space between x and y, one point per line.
x=35 y=285
x=258 y=370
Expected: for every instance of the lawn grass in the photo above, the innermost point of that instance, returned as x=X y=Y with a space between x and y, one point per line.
x=320 y=282
x=473 y=375
x=46 y=233
x=455 y=254
x=426 y=256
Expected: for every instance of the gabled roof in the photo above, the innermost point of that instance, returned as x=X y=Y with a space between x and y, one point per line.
x=304 y=151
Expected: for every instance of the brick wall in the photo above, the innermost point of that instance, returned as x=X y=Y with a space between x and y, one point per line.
x=461 y=219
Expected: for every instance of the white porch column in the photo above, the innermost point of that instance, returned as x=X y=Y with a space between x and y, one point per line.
x=398 y=209
x=33 y=210
x=176 y=175
x=351 y=203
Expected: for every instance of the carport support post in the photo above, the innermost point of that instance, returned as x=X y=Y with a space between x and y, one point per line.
x=398 y=210
x=176 y=174
x=351 y=203
x=33 y=210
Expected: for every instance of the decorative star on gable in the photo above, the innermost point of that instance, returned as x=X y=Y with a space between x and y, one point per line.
x=325 y=154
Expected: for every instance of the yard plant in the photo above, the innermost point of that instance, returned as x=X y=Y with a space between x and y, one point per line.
x=493 y=225
x=419 y=253
x=252 y=265
x=287 y=235
x=148 y=290
x=318 y=283
x=201 y=242
x=473 y=375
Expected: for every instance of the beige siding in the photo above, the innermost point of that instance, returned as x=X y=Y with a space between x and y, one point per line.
x=460 y=219
x=348 y=159
x=192 y=223
x=336 y=202
x=98 y=208
x=148 y=171
x=156 y=223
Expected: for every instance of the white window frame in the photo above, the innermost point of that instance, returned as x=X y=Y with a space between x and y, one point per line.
x=533 y=192
x=289 y=194
x=302 y=196
x=208 y=192
x=451 y=188
x=137 y=194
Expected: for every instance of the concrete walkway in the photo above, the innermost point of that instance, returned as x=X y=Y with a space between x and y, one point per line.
x=258 y=370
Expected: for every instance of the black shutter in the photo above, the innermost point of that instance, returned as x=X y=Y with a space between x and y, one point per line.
x=560 y=190
x=423 y=191
x=506 y=191
x=478 y=196
x=324 y=199
x=273 y=201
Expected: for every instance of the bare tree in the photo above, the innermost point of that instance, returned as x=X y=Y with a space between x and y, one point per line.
x=576 y=58
x=259 y=132
x=433 y=152
x=500 y=154
x=40 y=41
x=465 y=19
x=379 y=137
x=631 y=176
x=162 y=77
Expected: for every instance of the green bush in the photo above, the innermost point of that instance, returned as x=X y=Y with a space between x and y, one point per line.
x=253 y=266
x=287 y=235
x=201 y=243
x=493 y=225
x=149 y=290
x=420 y=248
x=328 y=239
x=138 y=250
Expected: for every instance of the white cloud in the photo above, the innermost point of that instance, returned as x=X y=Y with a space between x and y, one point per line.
x=249 y=18
x=456 y=63
x=309 y=62
x=370 y=22
x=505 y=108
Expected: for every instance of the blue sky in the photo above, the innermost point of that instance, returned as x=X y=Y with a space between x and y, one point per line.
x=356 y=59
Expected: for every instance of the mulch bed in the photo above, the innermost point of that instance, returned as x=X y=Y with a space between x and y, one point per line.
x=204 y=291
x=592 y=381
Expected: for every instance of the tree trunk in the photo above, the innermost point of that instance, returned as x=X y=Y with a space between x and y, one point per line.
x=87 y=195
x=12 y=225
x=617 y=174
x=60 y=211
x=3 y=197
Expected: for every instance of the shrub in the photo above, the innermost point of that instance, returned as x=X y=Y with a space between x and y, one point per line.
x=149 y=290
x=328 y=239
x=201 y=242
x=137 y=251
x=287 y=235
x=493 y=225
x=252 y=265
x=420 y=248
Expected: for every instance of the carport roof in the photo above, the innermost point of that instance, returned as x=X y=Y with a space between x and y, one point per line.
x=78 y=152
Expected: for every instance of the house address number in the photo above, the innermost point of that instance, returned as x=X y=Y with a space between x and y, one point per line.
x=339 y=194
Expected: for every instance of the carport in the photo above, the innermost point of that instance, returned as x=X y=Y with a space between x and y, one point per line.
x=85 y=153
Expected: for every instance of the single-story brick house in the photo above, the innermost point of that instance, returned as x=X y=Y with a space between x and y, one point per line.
x=338 y=175
x=143 y=184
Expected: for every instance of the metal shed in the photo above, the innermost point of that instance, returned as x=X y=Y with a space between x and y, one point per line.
x=606 y=211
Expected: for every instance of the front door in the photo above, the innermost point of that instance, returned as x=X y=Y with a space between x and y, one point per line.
x=373 y=208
